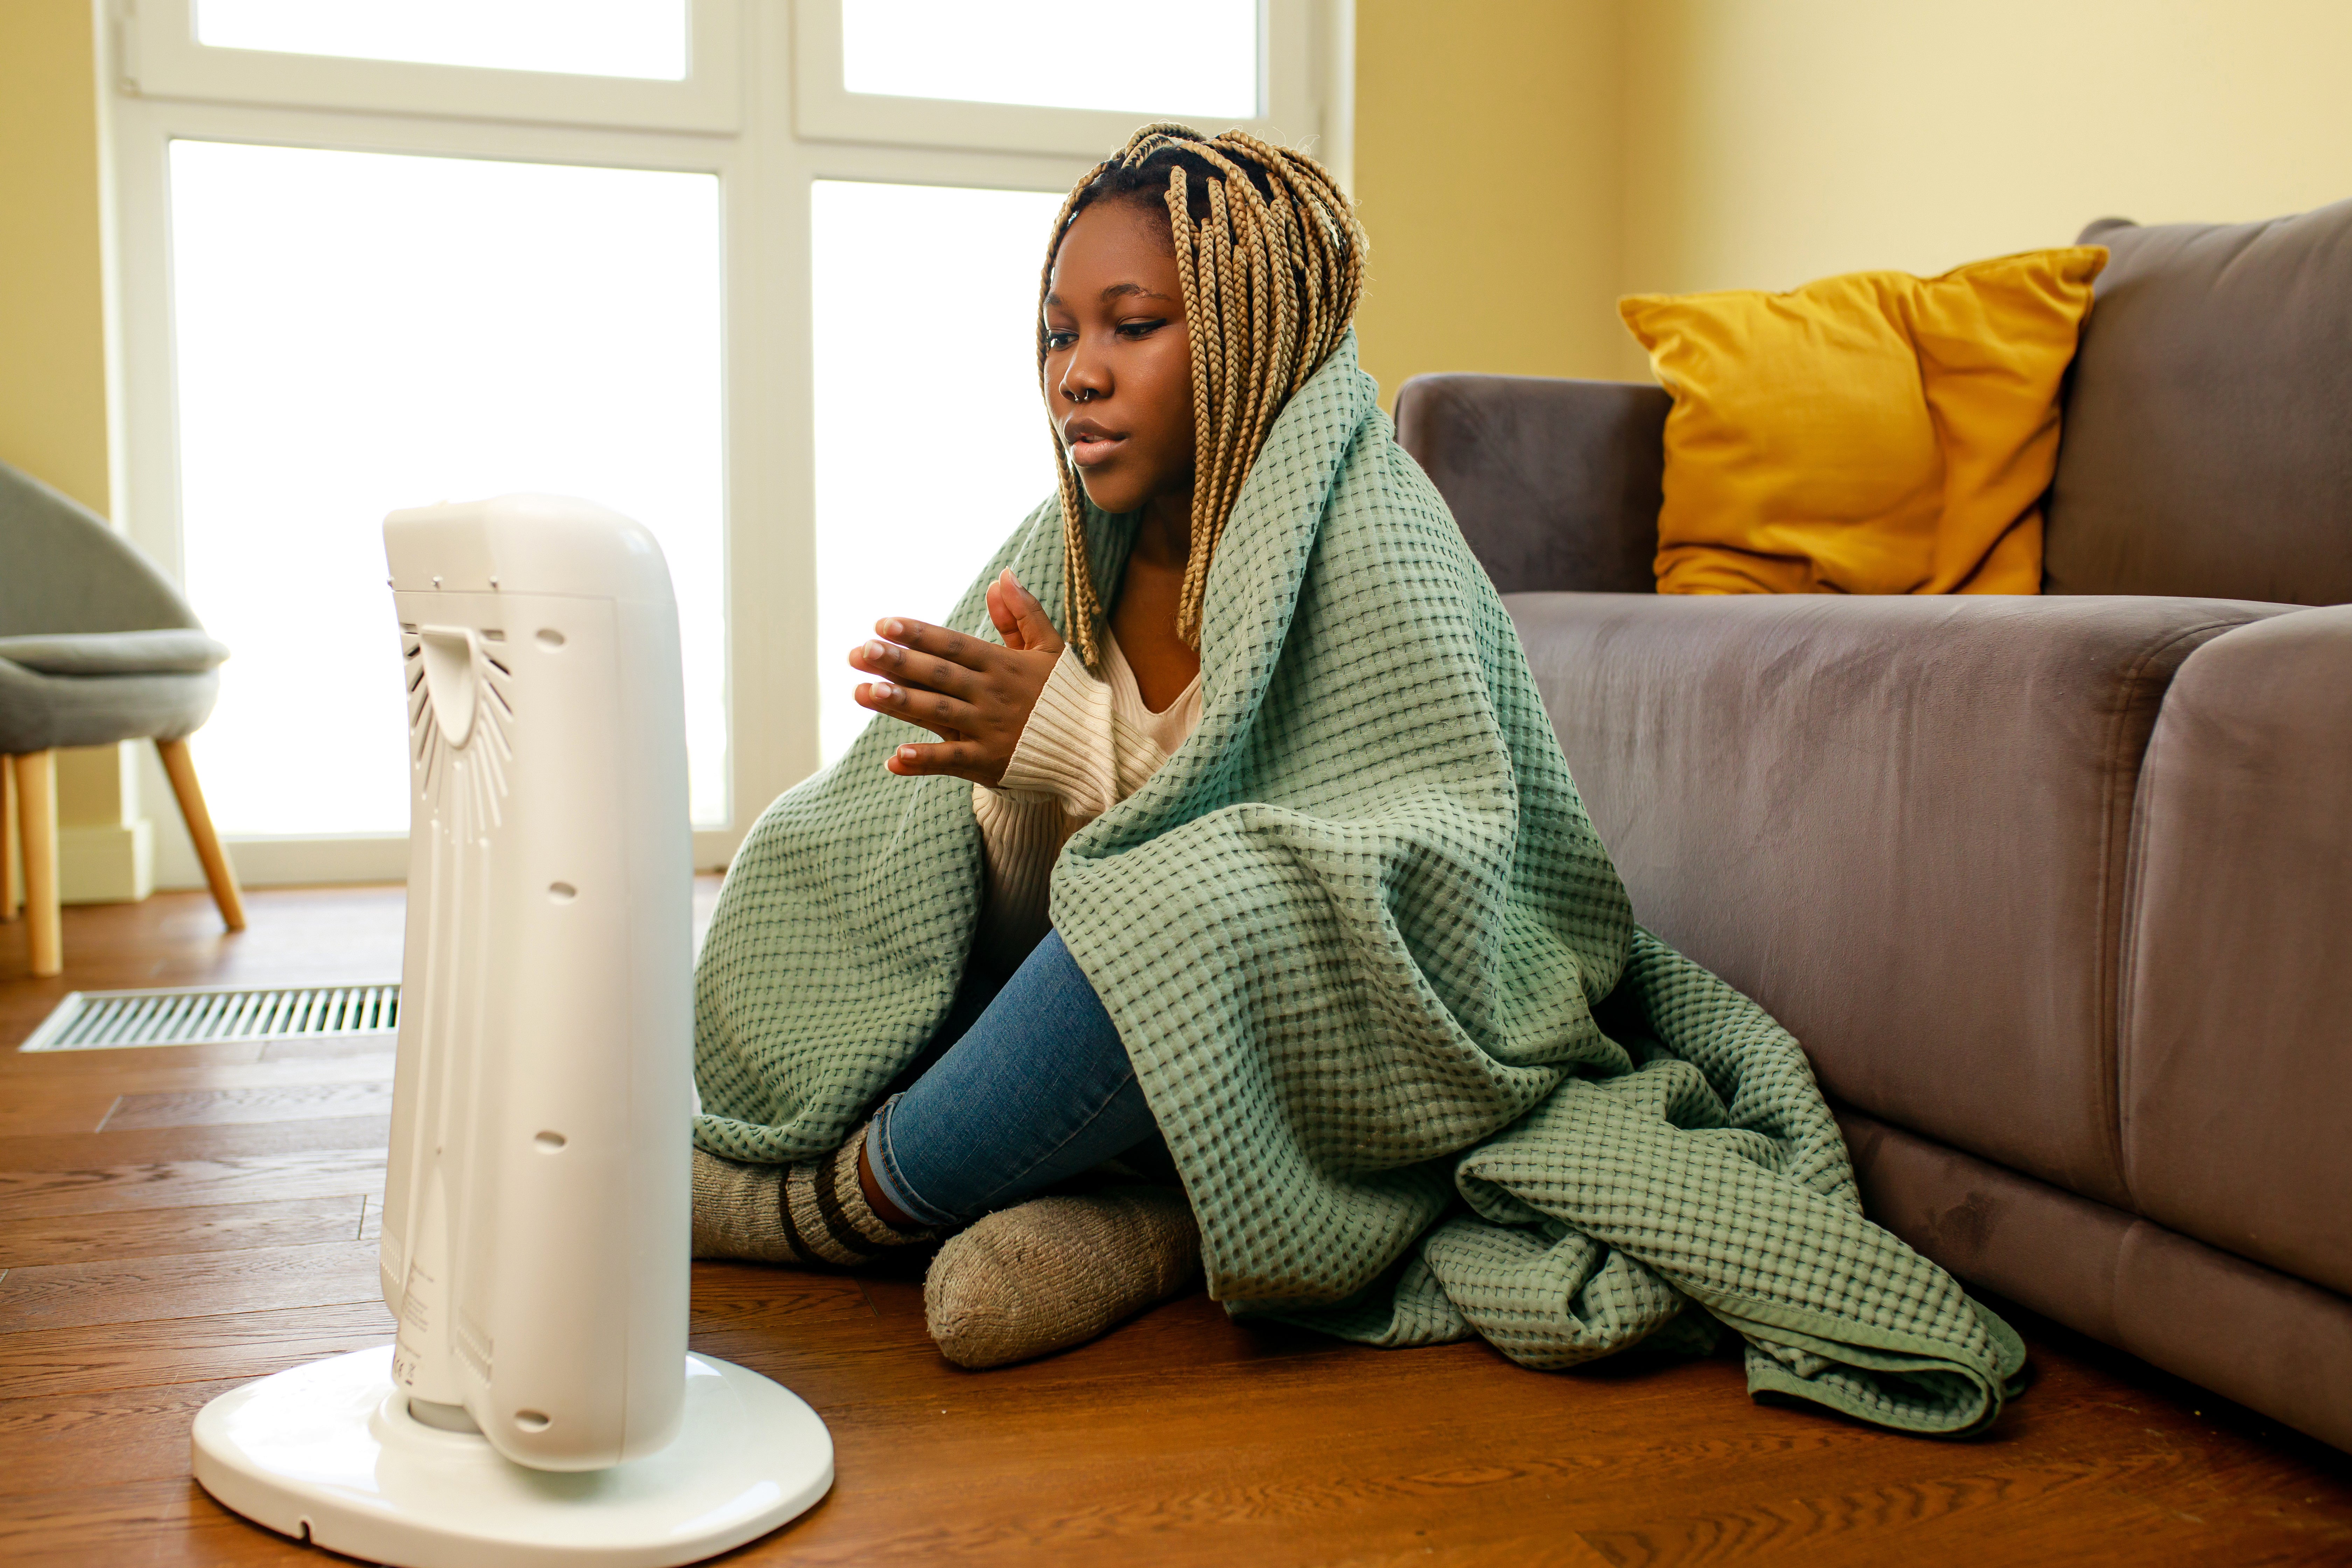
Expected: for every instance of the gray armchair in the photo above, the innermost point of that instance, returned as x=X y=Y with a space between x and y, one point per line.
x=96 y=646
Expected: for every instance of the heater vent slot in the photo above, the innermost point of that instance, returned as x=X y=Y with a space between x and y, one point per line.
x=465 y=774
x=96 y=1020
x=474 y=1344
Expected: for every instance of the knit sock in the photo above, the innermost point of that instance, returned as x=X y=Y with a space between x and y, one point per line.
x=1057 y=1271
x=811 y=1214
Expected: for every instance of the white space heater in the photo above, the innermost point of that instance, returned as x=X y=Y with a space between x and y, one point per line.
x=540 y=1405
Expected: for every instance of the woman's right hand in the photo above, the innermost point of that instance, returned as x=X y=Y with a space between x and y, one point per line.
x=973 y=694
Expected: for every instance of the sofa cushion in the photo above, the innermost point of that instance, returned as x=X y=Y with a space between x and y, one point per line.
x=1898 y=822
x=1554 y=483
x=2208 y=443
x=1872 y=433
x=176 y=651
x=40 y=711
x=2237 y=1037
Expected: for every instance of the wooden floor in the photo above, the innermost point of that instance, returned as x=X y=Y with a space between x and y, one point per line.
x=173 y=1222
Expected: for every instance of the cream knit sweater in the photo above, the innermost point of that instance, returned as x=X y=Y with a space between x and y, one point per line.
x=1088 y=745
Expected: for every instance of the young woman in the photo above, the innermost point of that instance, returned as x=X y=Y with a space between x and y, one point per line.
x=1221 y=829
x=1026 y=1083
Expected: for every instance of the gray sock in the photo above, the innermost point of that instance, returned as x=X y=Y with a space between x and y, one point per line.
x=1057 y=1271
x=811 y=1214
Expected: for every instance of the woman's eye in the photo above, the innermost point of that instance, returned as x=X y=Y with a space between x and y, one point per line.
x=1060 y=339
x=1141 y=328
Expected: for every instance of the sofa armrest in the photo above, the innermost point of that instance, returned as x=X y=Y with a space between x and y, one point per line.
x=1554 y=483
x=2237 y=1038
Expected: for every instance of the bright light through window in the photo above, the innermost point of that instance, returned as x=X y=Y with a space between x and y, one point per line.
x=357 y=332
x=1197 y=58
x=931 y=442
x=576 y=37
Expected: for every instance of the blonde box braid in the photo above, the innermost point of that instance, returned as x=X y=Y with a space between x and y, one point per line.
x=1270 y=278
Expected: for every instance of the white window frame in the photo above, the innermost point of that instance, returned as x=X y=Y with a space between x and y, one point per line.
x=158 y=53
x=824 y=110
x=766 y=155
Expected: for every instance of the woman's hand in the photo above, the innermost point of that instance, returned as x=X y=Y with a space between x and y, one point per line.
x=975 y=695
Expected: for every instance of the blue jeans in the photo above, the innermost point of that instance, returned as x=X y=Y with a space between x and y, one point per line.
x=1026 y=1085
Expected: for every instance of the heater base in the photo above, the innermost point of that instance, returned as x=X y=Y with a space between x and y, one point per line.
x=328 y=1453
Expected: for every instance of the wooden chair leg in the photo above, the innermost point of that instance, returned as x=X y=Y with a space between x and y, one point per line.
x=37 y=823
x=11 y=869
x=218 y=871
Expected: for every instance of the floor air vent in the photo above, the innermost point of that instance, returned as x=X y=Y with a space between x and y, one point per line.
x=96 y=1020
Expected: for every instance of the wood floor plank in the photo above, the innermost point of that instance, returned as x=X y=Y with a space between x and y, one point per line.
x=66 y=1191
x=16 y=1065
x=144 y=1289
x=2004 y=1512
x=41 y=1240
x=80 y=1107
x=54 y=1152
x=152 y=1524
x=239 y=1345
x=147 y=1096
x=1370 y=1448
x=222 y=1107
x=1182 y=1438
x=324 y=1048
x=91 y=1439
x=148 y=1074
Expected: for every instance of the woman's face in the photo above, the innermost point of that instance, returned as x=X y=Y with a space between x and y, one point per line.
x=1118 y=364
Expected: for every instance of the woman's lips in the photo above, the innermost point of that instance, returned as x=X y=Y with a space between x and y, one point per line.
x=1087 y=450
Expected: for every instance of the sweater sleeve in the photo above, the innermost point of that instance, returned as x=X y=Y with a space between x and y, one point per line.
x=1080 y=746
x=1078 y=756
x=1020 y=834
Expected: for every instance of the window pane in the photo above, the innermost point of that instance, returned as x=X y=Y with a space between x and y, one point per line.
x=360 y=331
x=1143 y=55
x=577 y=37
x=931 y=443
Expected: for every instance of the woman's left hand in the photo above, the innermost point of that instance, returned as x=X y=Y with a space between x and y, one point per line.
x=975 y=695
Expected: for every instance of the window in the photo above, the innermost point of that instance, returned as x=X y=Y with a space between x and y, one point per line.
x=954 y=49
x=581 y=38
x=876 y=250
x=683 y=257
x=1025 y=75
x=339 y=356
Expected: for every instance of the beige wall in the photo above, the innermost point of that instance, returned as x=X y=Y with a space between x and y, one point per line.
x=53 y=357
x=52 y=292
x=1488 y=174
x=1771 y=141
x=1521 y=162
x=1520 y=165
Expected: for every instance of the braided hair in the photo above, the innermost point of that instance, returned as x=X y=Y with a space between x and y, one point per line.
x=1272 y=263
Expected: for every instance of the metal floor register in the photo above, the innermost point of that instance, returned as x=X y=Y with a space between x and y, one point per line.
x=99 y=1020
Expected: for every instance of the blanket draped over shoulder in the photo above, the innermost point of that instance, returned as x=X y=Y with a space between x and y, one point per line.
x=1420 y=1073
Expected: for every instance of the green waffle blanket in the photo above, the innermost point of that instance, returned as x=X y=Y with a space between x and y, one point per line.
x=1421 y=1074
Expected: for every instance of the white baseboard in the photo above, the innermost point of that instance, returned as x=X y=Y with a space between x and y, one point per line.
x=289 y=861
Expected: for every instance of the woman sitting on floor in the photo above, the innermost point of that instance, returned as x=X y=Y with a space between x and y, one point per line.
x=1245 y=850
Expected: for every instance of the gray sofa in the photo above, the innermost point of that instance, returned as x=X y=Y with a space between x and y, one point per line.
x=2055 y=890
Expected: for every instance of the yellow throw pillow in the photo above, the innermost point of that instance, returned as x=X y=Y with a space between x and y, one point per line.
x=1876 y=433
